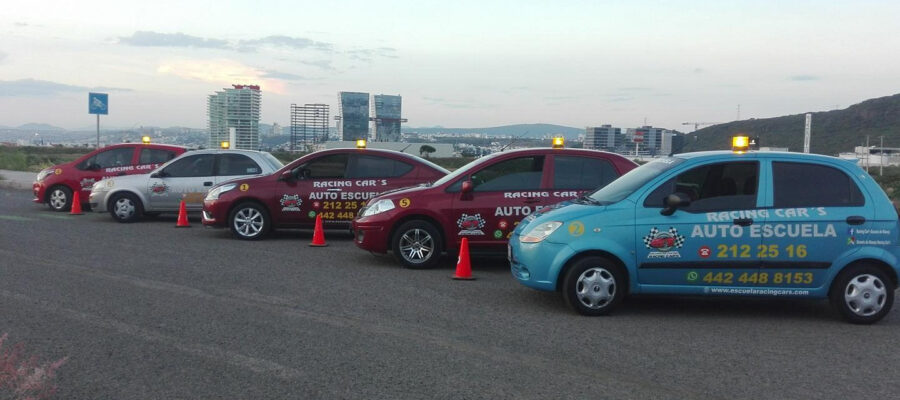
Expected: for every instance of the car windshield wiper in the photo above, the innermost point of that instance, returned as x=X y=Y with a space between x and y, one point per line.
x=587 y=199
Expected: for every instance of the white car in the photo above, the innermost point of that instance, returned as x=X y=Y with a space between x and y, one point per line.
x=187 y=177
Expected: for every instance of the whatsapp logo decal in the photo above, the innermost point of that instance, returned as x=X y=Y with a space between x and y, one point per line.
x=692 y=276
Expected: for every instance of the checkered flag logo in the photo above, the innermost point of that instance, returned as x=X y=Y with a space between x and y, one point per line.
x=470 y=222
x=649 y=238
x=679 y=239
x=676 y=240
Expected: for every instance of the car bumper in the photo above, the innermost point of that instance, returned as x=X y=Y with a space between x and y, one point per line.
x=537 y=265
x=371 y=236
x=215 y=214
x=98 y=200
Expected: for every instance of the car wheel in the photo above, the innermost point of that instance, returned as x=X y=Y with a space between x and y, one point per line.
x=417 y=244
x=125 y=207
x=249 y=221
x=59 y=198
x=862 y=293
x=594 y=286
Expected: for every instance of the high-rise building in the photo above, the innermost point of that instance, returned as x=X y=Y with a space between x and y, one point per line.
x=387 y=117
x=353 y=123
x=604 y=137
x=236 y=108
x=309 y=125
x=653 y=139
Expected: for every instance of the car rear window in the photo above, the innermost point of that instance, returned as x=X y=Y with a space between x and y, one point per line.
x=581 y=172
x=378 y=167
x=155 y=156
x=237 y=164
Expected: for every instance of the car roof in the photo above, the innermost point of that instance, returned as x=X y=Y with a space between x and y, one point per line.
x=726 y=154
x=224 y=151
x=395 y=153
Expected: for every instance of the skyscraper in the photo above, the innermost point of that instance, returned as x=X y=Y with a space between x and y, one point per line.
x=604 y=137
x=387 y=118
x=236 y=108
x=309 y=125
x=354 y=119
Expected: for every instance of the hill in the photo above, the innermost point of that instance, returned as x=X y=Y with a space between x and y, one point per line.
x=533 y=130
x=39 y=127
x=832 y=131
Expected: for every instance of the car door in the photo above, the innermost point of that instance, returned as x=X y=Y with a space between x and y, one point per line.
x=113 y=162
x=503 y=193
x=185 y=179
x=818 y=215
x=315 y=191
x=372 y=174
x=709 y=242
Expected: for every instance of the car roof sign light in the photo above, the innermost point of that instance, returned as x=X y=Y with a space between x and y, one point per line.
x=740 y=144
x=559 y=142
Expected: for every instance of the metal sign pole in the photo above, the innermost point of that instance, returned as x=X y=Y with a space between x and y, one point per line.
x=98 y=131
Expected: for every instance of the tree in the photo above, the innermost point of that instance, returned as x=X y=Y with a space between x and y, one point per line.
x=426 y=150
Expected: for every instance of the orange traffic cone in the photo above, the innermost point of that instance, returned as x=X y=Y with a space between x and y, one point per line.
x=463 y=266
x=182 y=217
x=318 y=234
x=76 y=203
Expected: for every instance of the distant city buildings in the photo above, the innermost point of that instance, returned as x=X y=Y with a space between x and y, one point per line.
x=353 y=121
x=644 y=140
x=387 y=117
x=309 y=126
x=604 y=137
x=236 y=108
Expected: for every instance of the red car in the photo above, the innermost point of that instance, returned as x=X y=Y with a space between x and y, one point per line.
x=483 y=201
x=55 y=185
x=331 y=183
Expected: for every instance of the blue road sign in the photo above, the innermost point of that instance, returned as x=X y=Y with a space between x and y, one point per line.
x=98 y=103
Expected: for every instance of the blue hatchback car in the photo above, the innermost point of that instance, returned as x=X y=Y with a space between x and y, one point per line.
x=721 y=223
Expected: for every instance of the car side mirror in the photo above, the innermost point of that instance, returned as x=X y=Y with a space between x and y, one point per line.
x=675 y=201
x=466 y=187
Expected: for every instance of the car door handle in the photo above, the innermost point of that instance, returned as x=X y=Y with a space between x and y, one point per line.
x=743 y=221
x=207 y=183
x=856 y=220
x=334 y=190
x=529 y=200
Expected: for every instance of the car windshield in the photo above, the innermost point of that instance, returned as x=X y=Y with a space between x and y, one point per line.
x=464 y=170
x=273 y=162
x=633 y=180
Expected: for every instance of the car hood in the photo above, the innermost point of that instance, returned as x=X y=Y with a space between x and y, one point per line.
x=401 y=192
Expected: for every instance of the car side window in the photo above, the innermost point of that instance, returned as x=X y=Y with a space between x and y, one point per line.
x=364 y=166
x=522 y=173
x=571 y=172
x=237 y=164
x=332 y=166
x=712 y=187
x=191 y=166
x=108 y=159
x=813 y=185
x=155 y=156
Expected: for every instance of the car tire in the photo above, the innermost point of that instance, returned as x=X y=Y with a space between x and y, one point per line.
x=594 y=286
x=249 y=221
x=417 y=244
x=862 y=293
x=59 y=198
x=125 y=207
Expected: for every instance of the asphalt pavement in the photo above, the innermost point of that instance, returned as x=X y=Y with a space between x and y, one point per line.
x=149 y=311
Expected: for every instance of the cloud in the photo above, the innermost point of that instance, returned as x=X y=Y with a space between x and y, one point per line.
x=440 y=101
x=324 y=64
x=3 y=56
x=298 y=43
x=282 y=75
x=803 y=78
x=699 y=70
x=223 y=72
x=367 y=55
x=156 y=39
x=34 y=87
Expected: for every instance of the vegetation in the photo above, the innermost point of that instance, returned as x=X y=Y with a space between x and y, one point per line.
x=426 y=150
x=35 y=159
x=832 y=131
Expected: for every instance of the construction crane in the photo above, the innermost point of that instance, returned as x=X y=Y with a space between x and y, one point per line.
x=699 y=124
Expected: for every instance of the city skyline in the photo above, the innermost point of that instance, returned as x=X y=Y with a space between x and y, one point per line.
x=475 y=64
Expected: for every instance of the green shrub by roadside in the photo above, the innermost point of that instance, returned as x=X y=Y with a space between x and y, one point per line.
x=34 y=159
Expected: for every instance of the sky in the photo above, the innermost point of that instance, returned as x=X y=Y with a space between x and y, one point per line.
x=457 y=64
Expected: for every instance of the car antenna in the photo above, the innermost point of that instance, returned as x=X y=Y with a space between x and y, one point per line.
x=513 y=140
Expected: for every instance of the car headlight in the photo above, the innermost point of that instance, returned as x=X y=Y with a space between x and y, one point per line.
x=378 y=207
x=102 y=185
x=215 y=192
x=540 y=232
x=43 y=174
